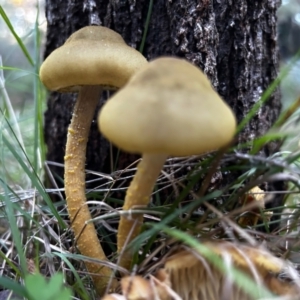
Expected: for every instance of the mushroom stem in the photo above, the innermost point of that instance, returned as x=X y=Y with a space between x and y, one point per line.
x=86 y=235
x=138 y=194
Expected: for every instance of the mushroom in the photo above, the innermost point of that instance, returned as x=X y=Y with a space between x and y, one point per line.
x=91 y=59
x=167 y=108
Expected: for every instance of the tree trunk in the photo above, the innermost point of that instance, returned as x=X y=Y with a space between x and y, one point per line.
x=234 y=42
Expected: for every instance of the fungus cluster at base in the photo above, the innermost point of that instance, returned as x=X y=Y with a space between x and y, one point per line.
x=188 y=275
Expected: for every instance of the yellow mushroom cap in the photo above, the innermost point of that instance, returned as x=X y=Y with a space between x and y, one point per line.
x=93 y=55
x=167 y=107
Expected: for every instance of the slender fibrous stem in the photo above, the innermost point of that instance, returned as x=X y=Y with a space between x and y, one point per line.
x=86 y=235
x=137 y=196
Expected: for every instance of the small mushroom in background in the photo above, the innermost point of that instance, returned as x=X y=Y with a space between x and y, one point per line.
x=167 y=108
x=92 y=59
x=256 y=198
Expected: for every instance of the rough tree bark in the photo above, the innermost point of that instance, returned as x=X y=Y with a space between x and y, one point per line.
x=234 y=42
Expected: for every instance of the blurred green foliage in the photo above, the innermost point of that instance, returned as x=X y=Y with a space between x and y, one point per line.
x=19 y=84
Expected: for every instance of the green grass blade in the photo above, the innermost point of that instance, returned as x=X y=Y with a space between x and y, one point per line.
x=35 y=180
x=140 y=239
x=9 y=209
x=12 y=30
x=17 y=69
x=38 y=144
x=12 y=285
x=266 y=95
x=142 y=46
x=9 y=108
x=83 y=292
x=10 y=264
